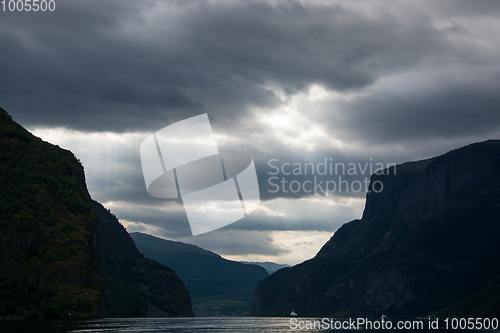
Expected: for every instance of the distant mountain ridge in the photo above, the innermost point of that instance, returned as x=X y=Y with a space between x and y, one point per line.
x=427 y=244
x=218 y=287
x=270 y=267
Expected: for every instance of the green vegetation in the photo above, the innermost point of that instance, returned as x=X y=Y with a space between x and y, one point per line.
x=220 y=305
x=218 y=287
x=48 y=265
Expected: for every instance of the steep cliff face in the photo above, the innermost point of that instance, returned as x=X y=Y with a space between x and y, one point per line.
x=51 y=238
x=135 y=286
x=48 y=231
x=425 y=244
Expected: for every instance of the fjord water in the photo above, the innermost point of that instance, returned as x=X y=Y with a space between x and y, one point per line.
x=156 y=325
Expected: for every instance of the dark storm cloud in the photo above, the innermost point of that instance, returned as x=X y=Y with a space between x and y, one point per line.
x=460 y=108
x=484 y=8
x=127 y=65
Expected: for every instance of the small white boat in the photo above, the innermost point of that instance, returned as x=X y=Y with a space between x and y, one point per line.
x=293 y=314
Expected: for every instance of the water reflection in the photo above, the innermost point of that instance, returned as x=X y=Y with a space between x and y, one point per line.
x=152 y=325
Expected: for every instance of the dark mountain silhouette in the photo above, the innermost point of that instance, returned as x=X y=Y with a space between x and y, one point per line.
x=427 y=244
x=217 y=286
x=51 y=240
x=135 y=286
x=48 y=231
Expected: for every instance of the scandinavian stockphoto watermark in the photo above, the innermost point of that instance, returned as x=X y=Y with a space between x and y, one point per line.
x=326 y=177
x=329 y=324
x=216 y=188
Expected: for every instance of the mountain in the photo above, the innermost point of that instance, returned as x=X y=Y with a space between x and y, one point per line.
x=426 y=244
x=55 y=243
x=48 y=231
x=217 y=286
x=270 y=267
x=135 y=286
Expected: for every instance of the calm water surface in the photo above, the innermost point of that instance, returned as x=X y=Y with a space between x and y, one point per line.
x=152 y=325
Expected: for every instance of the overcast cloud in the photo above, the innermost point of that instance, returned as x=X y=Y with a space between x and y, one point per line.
x=294 y=81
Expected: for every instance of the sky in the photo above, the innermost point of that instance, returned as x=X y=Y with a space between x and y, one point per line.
x=365 y=84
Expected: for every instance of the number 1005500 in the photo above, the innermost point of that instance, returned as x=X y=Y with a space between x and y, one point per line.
x=28 y=5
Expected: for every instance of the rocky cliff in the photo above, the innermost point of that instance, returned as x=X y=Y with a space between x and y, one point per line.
x=136 y=286
x=48 y=231
x=428 y=243
x=55 y=243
